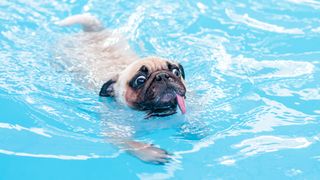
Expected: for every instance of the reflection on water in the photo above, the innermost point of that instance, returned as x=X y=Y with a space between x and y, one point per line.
x=252 y=71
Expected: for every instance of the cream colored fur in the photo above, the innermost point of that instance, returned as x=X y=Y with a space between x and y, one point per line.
x=99 y=55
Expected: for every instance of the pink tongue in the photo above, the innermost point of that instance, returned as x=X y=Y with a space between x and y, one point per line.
x=181 y=104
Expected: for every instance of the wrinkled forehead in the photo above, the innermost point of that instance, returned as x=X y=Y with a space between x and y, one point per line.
x=152 y=64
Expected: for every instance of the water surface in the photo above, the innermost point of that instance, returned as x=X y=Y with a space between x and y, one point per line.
x=253 y=102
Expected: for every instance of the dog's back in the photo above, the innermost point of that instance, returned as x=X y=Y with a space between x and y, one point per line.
x=97 y=53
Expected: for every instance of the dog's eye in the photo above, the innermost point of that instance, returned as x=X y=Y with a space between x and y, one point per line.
x=176 y=72
x=140 y=80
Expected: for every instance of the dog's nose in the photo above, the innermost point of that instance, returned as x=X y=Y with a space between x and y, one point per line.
x=162 y=76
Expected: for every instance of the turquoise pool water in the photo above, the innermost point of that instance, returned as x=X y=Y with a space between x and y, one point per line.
x=253 y=103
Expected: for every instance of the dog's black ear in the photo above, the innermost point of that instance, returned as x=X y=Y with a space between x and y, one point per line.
x=107 y=89
x=182 y=71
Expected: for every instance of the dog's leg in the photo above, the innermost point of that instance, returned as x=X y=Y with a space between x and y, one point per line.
x=89 y=22
x=124 y=140
x=145 y=152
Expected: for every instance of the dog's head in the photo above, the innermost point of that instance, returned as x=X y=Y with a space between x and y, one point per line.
x=152 y=84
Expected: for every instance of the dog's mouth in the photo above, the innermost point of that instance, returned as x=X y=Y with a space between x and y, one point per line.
x=167 y=105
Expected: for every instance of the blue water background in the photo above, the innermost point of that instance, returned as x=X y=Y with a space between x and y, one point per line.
x=253 y=102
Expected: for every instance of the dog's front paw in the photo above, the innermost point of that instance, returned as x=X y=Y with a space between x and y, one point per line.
x=149 y=153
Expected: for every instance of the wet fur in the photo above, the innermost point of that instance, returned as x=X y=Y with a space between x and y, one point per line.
x=106 y=60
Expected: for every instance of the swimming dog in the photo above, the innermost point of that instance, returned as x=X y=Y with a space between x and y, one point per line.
x=152 y=84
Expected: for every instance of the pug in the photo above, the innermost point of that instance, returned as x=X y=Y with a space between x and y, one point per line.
x=152 y=84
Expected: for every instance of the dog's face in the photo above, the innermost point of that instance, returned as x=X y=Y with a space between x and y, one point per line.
x=152 y=84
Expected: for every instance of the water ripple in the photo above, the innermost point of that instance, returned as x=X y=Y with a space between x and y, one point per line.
x=246 y=19
x=252 y=71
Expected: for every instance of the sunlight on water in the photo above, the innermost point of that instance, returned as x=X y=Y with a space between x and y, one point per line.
x=252 y=73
